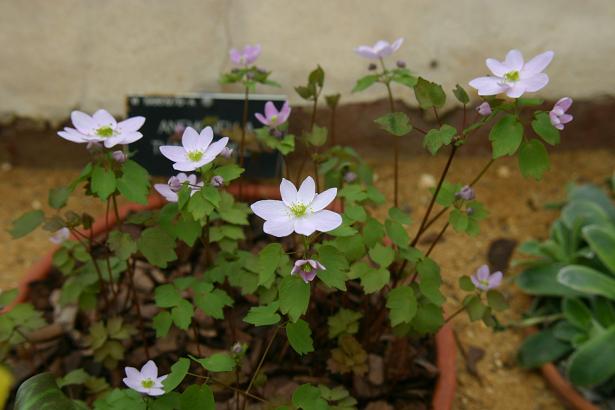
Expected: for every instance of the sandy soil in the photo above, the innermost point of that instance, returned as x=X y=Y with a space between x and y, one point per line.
x=517 y=213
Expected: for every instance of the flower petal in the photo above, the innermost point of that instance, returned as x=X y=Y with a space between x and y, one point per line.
x=235 y=56
x=261 y=118
x=150 y=370
x=367 y=52
x=514 y=60
x=482 y=273
x=305 y=226
x=166 y=192
x=288 y=192
x=187 y=166
x=134 y=384
x=130 y=137
x=279 y=227
x=564 y=103
x=307 y=191
x=155 y=391
x=535 y=83
x=270 y=110
x=284 y=113
x=537 y=64
x=73 y=135
x=516 y=90
x=565 y=118
x=132 y=374
x=270 y=209
x=174 y=153
x=488 y=85
x=206 y=137
x=103 y=118
x=131 y=124
x=495 y=279
x=83 y=122
x=397 y=43
x=497 y=68
x=325 y=220
x=323 y=199
x=191 y=140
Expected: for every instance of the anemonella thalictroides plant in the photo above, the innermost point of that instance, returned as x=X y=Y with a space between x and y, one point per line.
x=318 y=236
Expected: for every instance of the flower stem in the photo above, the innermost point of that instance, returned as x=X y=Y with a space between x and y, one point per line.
x=260 y=364
x=244 y=122
x=135 y=304
x=395 y=141
x=455 y=313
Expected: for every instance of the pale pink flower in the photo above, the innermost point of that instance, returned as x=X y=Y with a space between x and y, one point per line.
x=485 y=280
x=513 y=76
x=273 y=117
x=102 y=127
x=307 y=269
x=558 y=114
x=379 y=50
x=484 y=109
x=196 y=149
x=145 y=380
x=170 y=189
x=245 y=57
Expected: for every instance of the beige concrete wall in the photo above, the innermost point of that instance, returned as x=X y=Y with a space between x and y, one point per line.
x=56 y=55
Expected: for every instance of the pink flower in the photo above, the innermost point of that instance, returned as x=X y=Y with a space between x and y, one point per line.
x=484 y=109
x=307 y=268
x=558 y=114
x=484 y=280
x=273 y=117
x=102 y=127
x=379 y=50
x=247 y=56
x=60 y=236
x=145 y=380
x=196 y=150
x=513 y=76
x=170 y=189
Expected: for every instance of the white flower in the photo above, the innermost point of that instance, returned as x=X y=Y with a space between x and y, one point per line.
x=513 y=76
x=170 y=189
x=60 y=236
x=102 y=127
x=145 y=380
x=300 y=211
x=196 y=150
x=379 y=50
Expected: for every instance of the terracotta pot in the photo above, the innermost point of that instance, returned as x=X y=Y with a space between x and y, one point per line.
x=446 y=350
x=562 y=387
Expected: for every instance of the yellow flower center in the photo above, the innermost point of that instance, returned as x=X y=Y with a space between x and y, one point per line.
x=273 y=119
x=105 y=131
x=195 y=156
x=484 y=282
x=147 y=383
x=298 y=209
x=512 y=76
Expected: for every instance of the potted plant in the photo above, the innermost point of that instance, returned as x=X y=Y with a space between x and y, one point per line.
x=571 y=277
x=308 y=303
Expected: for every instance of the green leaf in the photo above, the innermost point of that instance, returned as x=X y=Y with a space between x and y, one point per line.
x=577 y=313
x=437 y=138
x=543 y=127
x=601 y=239
x=474 y=308
x=396 y=123
x=268 y=260
x=177 y=375
x=594 y=361
x=345 y=321
x=402 y=305
x=430 y=280
x=308 y=397
x=162 y=323
x=334 y=276
x=399 y=216
x=41 y=392
x=429 y=94
x=404 y=77
x=121 y=244
x=496 y=300
x=428 y=318
x=365 y=82
x=218 y=362
x=540 y=348
x=461 y=94
x=506 y=136
x=542 y=280
x=157 y=246
x=196 y=397
x=229 y=172
x=317 y=137
x=373 y=232
x=103 y=182
x=7 y=297
x=300 y=336
x=182 y=314
x=317 y=77
x=263 y=315
x=465 y=283
x=459 y=220
x=134 y=182
x=294 y=297
x=533 y=159
x=397 y=233
x=167 y=296
x=382 y=255
x=58 y=197
x=375 y=279
x=212 y=302
x=77 y=376
x=587 y=280
x=26 y=223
